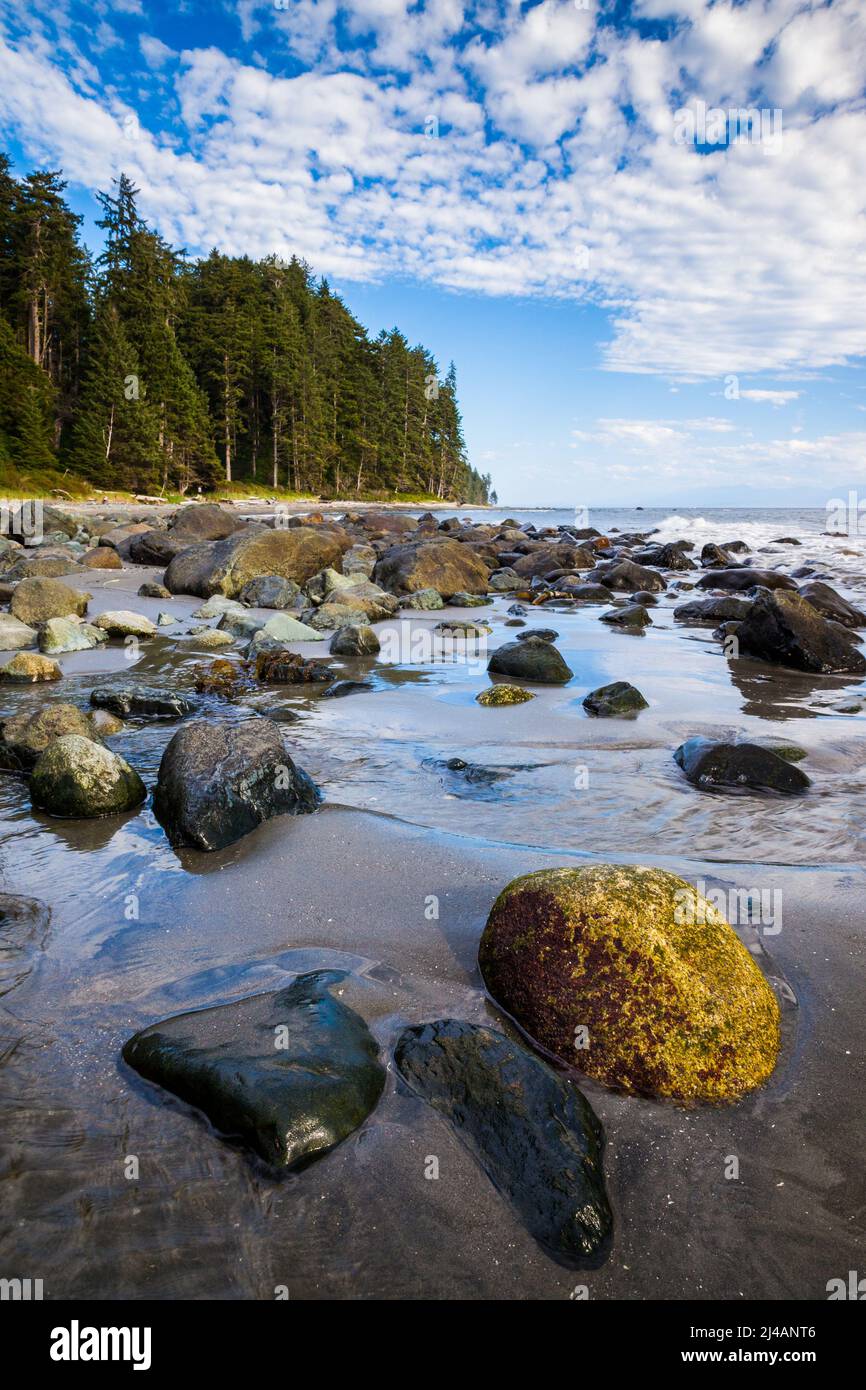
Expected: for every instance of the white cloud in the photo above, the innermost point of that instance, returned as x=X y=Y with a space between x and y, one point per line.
x=771 y=397
x=555 y=171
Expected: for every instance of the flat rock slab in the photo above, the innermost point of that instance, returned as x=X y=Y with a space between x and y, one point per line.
x=534 y=1134
x=290 y=1073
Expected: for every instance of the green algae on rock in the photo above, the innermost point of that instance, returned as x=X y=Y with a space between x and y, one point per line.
x=504 y=695
x=532 y=1131
x=629 y=975
x=291 y=1073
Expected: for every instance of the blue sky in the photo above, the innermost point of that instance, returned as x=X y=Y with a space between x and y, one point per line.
x=641 y=308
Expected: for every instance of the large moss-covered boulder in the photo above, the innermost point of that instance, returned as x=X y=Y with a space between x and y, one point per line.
x=447 y=566
x=629 y=975
x=37 y=600
x=534 y=1134
x=28 y=667
x=227 y=566
x=290 y=1073
x=218 y=781
x=76 y=776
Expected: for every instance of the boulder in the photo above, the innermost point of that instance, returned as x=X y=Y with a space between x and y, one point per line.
x=213 y=638
x=128 y=700
x=715 y=555
x=102 y=557
x=713 y=610
x=290 y=1073
x=625 y=574
x=41 y=567
x=531 y=1130
x=69 y=635
x=667 y=557
x=156 y=547
x=618 y=700
x=290 y=668
x=547 y=558
x=28 y=668
x=354 y=641
x=788 y=629
x=447 y=566
x=24 y=737
x=743 y=578
x=632 y=977
x=502 y=694
x=37 y=600
x=360 y=559
x=270 y=591
x=78 y=777
x=424 y=600
x=203 y=521
x=121 y=622
x=218 y=781
x=530 y=660
x=832 y=605
x=14 y=634
x=227 y=566
x=632 y=615
x=151 y=589
x=740 y=766
x=279 y=630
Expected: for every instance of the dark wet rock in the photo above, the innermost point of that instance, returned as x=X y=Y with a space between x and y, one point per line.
x=668 y=557
x=735 y=547
x=645 y=599
x=517 y=610
x=156 y=547
x=546 y=559
x=787 y=629
x=631 y=976
x=287 y=1103
x=473 y=774
x=24 y=737
x=227 y=566
x=743 y=766
x=448 y=566
x=204 y=521
x=354 y=641
x=37 y=600
x=128 y=700
x=218 y=781
x=544 y=634
x=625 y=574
x=530 y=660
x=515 y=622
x=743 y=578
x=803 y=572
x=78 y=777
x=618 y=700
x=532 y=1131
x=787 y=540
x=502 y=694
x=712 y=610
x=289 y=668
x=712 y=555
x=833 y=605
x=151 y=589
x=632 y=615
x=270 y=591
x=348 y=687
x=782 y=747
x=585 y=593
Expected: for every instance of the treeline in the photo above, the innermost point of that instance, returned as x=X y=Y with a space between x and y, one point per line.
x=146 y=371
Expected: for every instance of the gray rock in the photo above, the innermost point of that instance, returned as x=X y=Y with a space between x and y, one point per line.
x=738 y=766
x=78 y=777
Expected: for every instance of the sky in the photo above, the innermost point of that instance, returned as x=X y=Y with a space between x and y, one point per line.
x=650 y=298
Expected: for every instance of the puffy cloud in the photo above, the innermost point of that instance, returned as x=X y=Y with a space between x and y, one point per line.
x=502 y=149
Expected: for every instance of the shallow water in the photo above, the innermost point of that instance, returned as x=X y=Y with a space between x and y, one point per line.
x=139 y=931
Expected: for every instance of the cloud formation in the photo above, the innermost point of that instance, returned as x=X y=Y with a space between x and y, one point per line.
x=494 y=148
